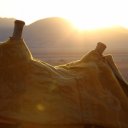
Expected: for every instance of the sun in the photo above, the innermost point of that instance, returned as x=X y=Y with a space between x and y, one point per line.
x=90 y=23
x=80 y=25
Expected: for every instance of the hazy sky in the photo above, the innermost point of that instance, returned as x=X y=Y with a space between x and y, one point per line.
x=82 y=13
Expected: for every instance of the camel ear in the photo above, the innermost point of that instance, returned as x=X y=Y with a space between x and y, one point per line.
x=100 y=47
x=14 y=50
x=95 y=54
x=18 y=28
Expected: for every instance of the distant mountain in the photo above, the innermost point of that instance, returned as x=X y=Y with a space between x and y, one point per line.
x=6 y=28
x=58 y=34
x=50 y=32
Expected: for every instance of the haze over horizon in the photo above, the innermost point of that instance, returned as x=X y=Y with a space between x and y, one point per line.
x=84 y=14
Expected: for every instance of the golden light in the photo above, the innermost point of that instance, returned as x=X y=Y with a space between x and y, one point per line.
x=89 y=25
x=96 y=14
x=84 y=14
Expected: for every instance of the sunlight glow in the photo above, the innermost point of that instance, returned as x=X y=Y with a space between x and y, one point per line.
x=89 y=25
x=40 y=107
x=84 y=14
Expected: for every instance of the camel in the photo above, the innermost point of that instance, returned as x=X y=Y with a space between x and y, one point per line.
x=86 y=93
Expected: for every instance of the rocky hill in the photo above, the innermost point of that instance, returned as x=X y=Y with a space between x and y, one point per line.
x=57 y=33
